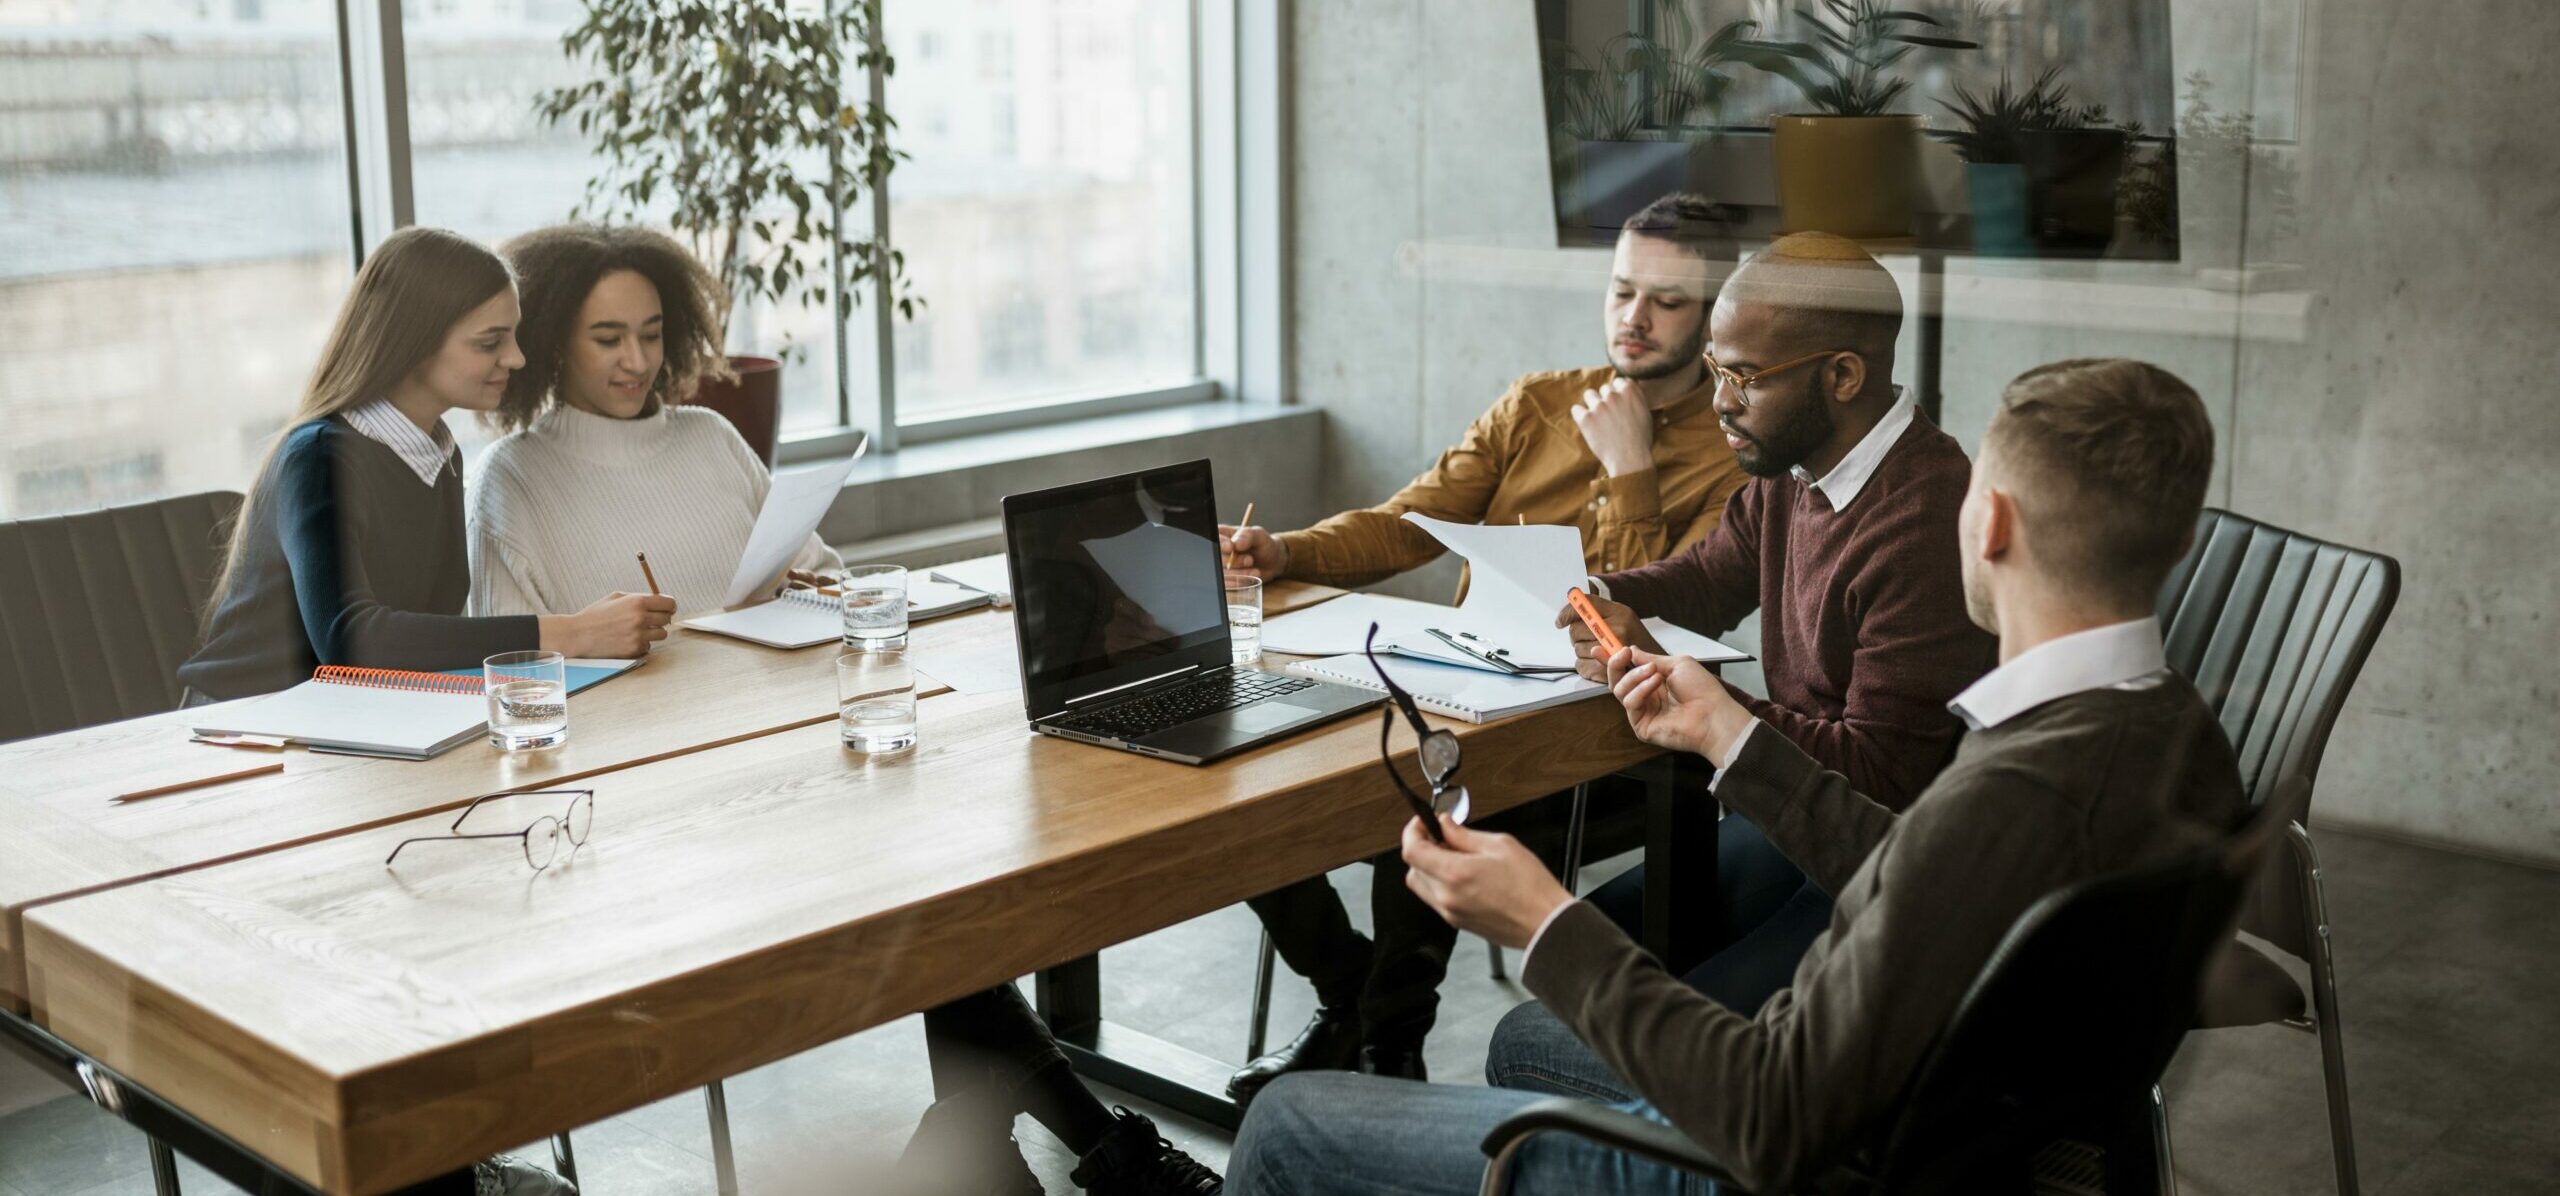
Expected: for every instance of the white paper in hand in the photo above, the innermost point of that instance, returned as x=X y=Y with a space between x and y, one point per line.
x=792 y=509
x=1516 y=579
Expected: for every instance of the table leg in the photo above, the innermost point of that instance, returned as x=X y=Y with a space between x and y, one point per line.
x=1681 y=909
x=1069 y=997
x=164 y=1169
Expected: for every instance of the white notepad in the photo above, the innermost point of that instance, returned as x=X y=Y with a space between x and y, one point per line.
x=806 y=618
x=1476 y=695
x=366 y=712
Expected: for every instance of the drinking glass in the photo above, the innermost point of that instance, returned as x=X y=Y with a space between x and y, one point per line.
x=875 y=608
x=528 y=700
x=1244 y=617
x=876 y=700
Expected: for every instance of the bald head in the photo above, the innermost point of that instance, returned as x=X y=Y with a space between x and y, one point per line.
x=1821 y=292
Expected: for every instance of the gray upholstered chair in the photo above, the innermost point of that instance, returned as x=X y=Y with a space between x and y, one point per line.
x=2273 y=626
x=98 y=609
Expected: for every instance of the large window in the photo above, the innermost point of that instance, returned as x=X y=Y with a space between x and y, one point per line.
x=1048 y=214
x=173 y=240
x=179 y=218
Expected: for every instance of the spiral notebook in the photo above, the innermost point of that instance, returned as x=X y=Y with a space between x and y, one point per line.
x=805 y=618
x=1473 y=694
x=365 y=712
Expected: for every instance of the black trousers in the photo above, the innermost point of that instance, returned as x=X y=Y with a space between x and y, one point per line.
x=987 y=1042
x=1395 y=982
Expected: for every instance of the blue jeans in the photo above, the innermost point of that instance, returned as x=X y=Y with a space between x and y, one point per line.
x=1335 y=1132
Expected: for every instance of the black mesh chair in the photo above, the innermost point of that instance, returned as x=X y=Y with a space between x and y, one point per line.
x=2046 y=1078
x=98 y=610
x=2272 y=627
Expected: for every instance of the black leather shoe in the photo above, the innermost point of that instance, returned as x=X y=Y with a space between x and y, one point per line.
x=1384 y=1061
x=1331 y=1042
x=1137 y=1161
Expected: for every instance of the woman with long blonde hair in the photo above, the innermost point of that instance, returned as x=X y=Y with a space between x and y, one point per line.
x=350 y=546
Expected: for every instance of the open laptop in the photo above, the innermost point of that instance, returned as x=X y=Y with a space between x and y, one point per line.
x=1120 y=612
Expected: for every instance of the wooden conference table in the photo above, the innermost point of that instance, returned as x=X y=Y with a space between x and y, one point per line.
x=236 y=970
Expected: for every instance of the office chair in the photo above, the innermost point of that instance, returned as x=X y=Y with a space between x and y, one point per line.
x=98 y=609
x=2272 y=627
x=2046 y=1077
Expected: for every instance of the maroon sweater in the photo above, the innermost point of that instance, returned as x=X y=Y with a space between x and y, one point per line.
x=1863 y=631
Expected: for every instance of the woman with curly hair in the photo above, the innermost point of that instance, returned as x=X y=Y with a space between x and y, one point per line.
x=600 y=462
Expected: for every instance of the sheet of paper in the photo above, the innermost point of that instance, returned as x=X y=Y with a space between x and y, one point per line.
x=1338 y=626
x=792 y=509
x=1680 y=641
x=989 y=573
x=1516 y=579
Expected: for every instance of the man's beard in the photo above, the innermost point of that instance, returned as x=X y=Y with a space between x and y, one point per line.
x=1786 y=446
x=1683 y=357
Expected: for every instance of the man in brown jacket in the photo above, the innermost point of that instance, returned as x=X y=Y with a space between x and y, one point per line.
x=2086 y=756
x=1631 y=454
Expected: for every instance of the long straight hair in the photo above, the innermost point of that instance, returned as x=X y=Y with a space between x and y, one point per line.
x=413 y=289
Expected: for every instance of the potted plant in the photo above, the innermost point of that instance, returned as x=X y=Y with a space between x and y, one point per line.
x=733 y=124
x=1851 y=166
x=1622 y=122
x=1991 y=137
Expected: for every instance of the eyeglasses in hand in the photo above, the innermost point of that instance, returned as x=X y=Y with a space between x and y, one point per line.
x=1438 y=753
x=541 y=840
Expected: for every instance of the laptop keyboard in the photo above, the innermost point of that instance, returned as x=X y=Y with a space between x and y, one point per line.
x=1139 y=717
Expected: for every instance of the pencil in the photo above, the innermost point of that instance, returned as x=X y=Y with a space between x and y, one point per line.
x=1241 y=524
x=649 y=574
x=183 y=786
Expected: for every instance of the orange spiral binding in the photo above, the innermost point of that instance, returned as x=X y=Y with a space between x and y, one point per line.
x=438 y=683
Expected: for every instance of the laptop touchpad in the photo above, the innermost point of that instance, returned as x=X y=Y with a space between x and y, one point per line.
x=1261 y=716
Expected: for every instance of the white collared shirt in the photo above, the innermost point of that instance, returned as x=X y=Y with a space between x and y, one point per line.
x=426 y=454
x=2117 y=656
x=1840 y=487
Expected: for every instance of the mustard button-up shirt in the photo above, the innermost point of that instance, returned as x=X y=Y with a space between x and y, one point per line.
x=1524 y=460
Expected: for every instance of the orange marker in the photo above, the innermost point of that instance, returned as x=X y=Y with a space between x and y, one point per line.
x=1610 y=644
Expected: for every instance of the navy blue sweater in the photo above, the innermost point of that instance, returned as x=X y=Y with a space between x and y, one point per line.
x=347 y=558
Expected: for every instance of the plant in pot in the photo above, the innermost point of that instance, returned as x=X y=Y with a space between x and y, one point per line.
x=1852 y=165
x=1997 y=134
x=1621 y=121
x=732 y=125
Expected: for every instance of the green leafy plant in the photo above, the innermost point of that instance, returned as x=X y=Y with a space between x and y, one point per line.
x=1640 y=87
x=742 y=119
x=1991 y=123
x=1847 y=69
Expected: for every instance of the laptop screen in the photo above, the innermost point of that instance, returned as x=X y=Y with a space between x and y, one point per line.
x=1115 y=581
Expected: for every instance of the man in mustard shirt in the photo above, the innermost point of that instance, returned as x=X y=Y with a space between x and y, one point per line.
x=1630 y=453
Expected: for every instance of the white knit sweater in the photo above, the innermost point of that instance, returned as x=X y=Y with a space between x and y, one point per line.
x=561 y=509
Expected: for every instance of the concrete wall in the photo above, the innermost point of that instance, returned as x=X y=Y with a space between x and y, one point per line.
x=2383 y=395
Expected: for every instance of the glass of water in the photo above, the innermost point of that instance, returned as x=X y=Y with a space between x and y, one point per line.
x=528 y=700
x=1244 y=616
x=875 y=608
x=876 y=700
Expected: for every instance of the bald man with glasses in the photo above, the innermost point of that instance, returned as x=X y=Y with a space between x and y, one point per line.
x=1845 y=542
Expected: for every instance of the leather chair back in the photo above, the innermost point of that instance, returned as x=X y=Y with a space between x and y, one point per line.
x=2272 y=627
x=98 y=609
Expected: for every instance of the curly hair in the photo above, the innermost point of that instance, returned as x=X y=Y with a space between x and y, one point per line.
x=557 y=267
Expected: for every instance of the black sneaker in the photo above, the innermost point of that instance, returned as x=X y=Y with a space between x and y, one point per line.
x=1331 y=1042
x=962 y=1148
x=1137 y=1161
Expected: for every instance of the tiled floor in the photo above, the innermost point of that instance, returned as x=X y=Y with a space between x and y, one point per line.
x=2448 y=966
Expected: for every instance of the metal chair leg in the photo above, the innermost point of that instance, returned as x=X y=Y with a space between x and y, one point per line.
x=2324 y=1005
x=564 y=1158
x=1494 y=950
x=164 y=1169
x=1260 y=1028
x=724 y=1163
x=2163 y=1160
x=1573 y=829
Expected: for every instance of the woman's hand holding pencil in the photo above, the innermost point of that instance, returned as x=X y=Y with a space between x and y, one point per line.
x=1244 y=548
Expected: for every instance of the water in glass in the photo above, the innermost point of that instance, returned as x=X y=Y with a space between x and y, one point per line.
x=875 y=608
x=528 y=714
